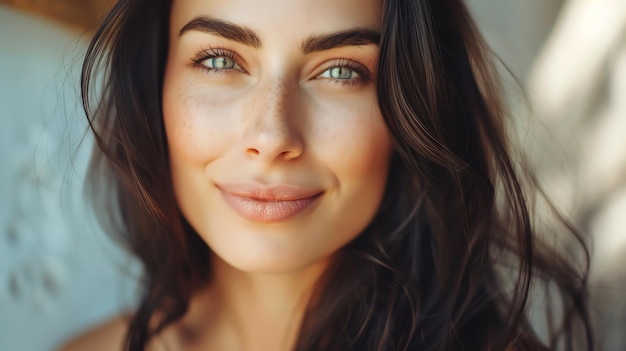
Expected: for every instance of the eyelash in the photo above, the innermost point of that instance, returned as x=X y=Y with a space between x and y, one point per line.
x=201 y=56
x=364 y=74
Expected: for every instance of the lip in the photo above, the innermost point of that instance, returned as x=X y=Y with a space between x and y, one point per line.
x=268 y=204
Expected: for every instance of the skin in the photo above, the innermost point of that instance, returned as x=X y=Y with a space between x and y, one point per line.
x=275 y=121
x=270 y=114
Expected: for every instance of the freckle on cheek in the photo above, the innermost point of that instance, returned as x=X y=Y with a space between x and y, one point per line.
x=277 y=97
x=199 y=128
x=182 y=126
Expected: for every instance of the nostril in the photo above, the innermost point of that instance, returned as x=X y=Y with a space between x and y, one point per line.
x=285 y=155
x=252 y=151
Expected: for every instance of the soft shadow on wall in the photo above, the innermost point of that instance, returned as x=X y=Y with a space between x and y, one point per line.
x=571 y=57
x=59 y=273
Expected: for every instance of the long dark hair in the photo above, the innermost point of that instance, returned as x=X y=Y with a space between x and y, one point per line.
x=451 y=261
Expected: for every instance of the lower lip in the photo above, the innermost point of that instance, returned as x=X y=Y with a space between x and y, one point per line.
x=267 y=211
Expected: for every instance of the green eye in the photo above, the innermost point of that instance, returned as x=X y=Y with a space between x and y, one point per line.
x=340 y=73
x=220 y=62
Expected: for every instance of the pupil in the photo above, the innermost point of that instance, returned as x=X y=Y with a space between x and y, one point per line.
x=340 y=73
x=221 y=62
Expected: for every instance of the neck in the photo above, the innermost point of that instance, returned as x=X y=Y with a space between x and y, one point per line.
x=260 y=310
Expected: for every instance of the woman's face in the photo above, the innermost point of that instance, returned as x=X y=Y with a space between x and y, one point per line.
x=279 y=153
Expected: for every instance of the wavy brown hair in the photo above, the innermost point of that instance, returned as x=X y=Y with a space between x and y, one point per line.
x=452 y=259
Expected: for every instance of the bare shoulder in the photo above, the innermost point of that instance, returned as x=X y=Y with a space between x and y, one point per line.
x=108 y=336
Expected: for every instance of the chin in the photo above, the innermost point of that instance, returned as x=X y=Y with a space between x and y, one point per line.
x=265 y=263
x=267 y=253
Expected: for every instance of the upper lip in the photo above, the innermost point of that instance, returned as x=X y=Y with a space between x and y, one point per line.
x=264 y=192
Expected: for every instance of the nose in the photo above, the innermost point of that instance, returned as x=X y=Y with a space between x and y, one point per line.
x=272 y=131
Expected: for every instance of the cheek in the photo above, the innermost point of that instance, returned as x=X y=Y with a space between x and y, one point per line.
x=197 y=125
x=353 y=139
x=353 y=142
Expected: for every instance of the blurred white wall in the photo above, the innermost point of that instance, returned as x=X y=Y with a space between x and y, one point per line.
x=571 y=56
x=577 y=87
x=515 y=29
x=58 y=273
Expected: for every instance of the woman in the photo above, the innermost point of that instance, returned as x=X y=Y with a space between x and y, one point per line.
x=315 y=175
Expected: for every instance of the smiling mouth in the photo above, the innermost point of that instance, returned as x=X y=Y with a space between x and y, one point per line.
x=268 y=205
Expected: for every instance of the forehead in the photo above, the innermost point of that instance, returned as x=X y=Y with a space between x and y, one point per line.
x=282 y=18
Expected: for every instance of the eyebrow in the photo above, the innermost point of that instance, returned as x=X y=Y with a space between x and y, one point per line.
x=350 y=37
x=231 y=31
x=314 y=43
